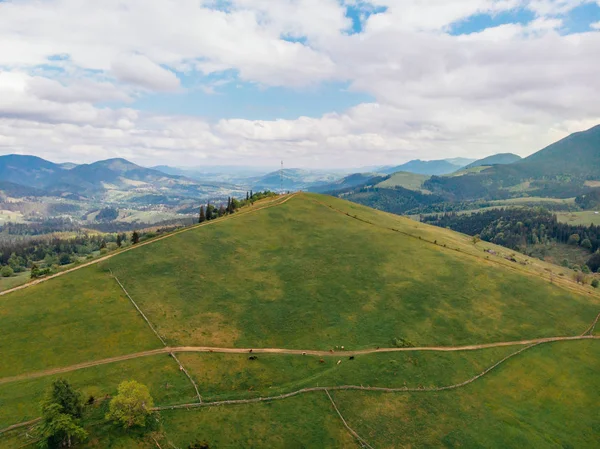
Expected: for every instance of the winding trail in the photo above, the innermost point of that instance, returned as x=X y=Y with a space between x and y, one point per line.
x=319 y=353
x=245 y=211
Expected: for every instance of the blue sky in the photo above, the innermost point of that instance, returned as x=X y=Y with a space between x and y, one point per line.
x=236 y=98
x=319 y=83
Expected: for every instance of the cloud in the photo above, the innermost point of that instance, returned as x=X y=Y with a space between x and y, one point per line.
x=514 y=87
x=141 y=71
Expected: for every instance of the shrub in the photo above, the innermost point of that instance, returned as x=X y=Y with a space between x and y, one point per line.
x=402 y=343
x=586 y=244
x=7 y=272
x=580 y=278
x=595 y=283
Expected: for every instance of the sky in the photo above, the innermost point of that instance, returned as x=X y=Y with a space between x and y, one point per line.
x=316 y=83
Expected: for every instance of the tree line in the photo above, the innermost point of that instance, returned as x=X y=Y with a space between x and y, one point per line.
x=211 y=211
x=518 y=228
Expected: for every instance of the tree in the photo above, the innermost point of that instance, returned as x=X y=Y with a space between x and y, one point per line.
x=7 y=272
x=247 y=196
x=61 y=410
x=202 y=217
x=62 y=393
x=135 y=238
x=65 y=258
x=595 y=283
x=59 y=429
x=594 y=262
x=229 y=205
x=119 y=241
x=574 y=239
x=251 y=194
x=131 y=406
x=210 y=211
x=586 y=244
x=221 y=210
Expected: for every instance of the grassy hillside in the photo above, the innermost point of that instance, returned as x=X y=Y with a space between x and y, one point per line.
x=410 y=181
x=312 y=272
x=304 y=275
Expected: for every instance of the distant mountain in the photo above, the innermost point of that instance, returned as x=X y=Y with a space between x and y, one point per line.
x=560 y=170
x=227 y=174
x=30 y=171
x=460 y=161
x=577 y=155
x=294 y=179
x=104 y=180
x=354 y=180
x=496 y=159
x=10 y=189
x=439 y=167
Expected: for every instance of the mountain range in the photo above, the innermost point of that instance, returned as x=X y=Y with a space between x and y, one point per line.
x=436 y=167
x=109 y=180
x=562 y=170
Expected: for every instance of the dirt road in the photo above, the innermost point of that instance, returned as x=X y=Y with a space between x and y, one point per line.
x=182 y=349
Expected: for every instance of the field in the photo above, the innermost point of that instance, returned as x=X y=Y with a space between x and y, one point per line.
x=580 y=218
x=310 y=272
x=466 y=171
x=14 y=280
x=410 y=181
x=7 y=215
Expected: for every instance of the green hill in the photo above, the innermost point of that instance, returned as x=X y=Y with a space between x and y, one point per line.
x=496 y=159
x=308 y=272
x=577 y=155
x=410 y=181
x=561 y=170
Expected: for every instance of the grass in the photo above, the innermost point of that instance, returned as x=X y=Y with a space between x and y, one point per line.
x=466 y=171
x=304 y=276
x=411 y=181
x=19 y=401
x=579 y=218
x=545 y=398
x=74 y=318
x=534 y=200
x=556 y=253
x=227 y=376
x=13 y=281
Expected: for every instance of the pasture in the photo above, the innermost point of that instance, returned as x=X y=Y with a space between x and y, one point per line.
x=310 y=273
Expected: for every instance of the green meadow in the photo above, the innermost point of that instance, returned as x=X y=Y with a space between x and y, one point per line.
x=313 y=272
x=302 y=275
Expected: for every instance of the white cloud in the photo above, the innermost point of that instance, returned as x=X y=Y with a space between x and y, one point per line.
x=140 y=70
x=508 y=88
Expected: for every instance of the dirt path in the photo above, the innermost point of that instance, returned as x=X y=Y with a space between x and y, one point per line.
x=183 y=349
x=248 y=210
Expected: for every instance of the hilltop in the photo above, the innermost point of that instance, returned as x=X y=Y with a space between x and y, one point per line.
x=311 y=273
x=562 y=170
x=496 y=159
x=437 y=167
